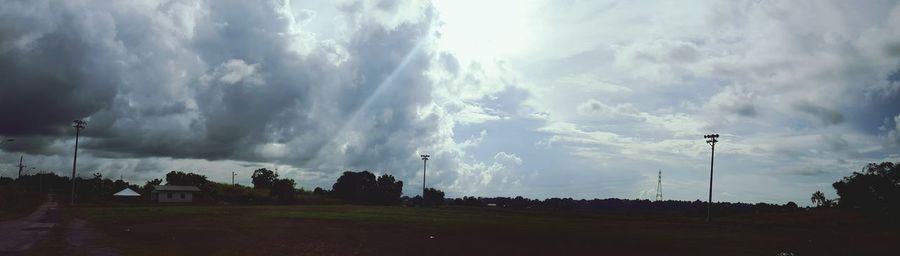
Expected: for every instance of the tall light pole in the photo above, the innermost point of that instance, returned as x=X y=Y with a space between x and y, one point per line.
x=424 y=167
x=78 y=124
x=711 y=139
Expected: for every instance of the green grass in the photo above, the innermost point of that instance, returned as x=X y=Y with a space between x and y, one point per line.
x=347 y=229
x=16 y=202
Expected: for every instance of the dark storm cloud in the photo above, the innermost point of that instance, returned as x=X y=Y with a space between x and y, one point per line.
x=49 y=79
x=218 y=80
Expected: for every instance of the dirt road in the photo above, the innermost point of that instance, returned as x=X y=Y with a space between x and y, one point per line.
x=16 y=236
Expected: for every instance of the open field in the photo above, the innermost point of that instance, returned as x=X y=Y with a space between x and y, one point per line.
x=346 y=230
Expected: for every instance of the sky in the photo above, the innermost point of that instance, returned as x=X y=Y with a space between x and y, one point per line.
x=556 y=98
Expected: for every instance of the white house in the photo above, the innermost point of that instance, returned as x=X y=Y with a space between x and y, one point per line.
x=173 y=194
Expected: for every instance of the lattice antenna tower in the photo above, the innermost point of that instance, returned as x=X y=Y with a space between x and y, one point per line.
x=659 y=187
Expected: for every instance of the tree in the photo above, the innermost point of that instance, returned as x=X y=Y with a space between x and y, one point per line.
x=355 y=186
x=818 y=198
x=149 y=185
x=264 y=178
x=434 y=197
x=876 y=189
x=471 y=201
x=320 y=191
x=791 y=205
x=185 y=179
x=283 y=190
x=363 y=187
x=389 y=190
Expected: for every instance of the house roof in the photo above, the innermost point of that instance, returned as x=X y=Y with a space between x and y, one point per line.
x=176 y=188
x=127 y=192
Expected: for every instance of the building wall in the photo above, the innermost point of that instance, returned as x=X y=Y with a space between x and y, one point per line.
x=174 y=197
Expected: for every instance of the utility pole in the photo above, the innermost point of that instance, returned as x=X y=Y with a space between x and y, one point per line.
x=659 y=187
x=21 y=158
x=424 y=167
x=711 y=139
x=78 y=124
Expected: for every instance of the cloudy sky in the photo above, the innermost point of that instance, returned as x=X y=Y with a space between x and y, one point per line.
x=582 y=99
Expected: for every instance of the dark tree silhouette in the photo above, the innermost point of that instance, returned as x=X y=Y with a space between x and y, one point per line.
x=876 y=189
x=283 y=190
x=149 y=185
x=320 y=191
x=354 y=186
x=389 y=190
x=94 y=189
x=818 y=198
x=264 y=178
x=434 y=197
x=363 y=187
x=185 y=179
x=791 y=205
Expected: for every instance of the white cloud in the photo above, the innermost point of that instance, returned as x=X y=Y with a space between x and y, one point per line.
x=892 y=133
x=233 y=71
x=507 y=158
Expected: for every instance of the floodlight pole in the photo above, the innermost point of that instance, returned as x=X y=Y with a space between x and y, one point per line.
x=424 y=168
x=78 y=124
x=711 y=139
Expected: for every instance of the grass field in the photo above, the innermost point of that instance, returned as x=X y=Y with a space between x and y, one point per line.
x=16 y=202
x=353 y=230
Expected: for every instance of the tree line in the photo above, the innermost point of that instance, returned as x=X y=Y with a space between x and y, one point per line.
x=267 y=187
x=875 y=189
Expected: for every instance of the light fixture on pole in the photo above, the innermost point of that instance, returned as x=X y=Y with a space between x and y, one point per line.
x=711 y=139
x=424 y=168
x=78 y=124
